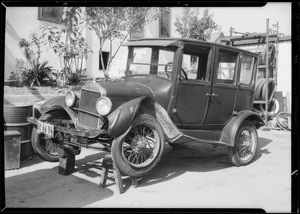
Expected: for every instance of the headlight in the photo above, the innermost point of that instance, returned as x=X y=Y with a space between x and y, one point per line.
x=103 y=106
x=70 y=99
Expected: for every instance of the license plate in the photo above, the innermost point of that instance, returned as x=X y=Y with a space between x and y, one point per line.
x=46 y=128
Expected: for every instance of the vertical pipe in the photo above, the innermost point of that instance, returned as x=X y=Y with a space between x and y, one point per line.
x=267 y=74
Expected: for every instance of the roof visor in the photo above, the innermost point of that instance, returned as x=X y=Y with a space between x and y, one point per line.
x=161 y=43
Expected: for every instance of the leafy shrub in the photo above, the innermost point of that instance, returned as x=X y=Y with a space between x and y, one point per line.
x=68 y=43
x=16 y=76
x=33 y=72
x=39 y=72
x=26 y=76
x=74 y=79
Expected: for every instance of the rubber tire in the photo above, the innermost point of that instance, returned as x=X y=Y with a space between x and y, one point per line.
x=280 y=123
x=271 y=87
x=116 y=149
x=232 y=151
x=258 y=88
x=36 y=139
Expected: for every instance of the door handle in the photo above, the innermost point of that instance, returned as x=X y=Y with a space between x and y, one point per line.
x=211 y=95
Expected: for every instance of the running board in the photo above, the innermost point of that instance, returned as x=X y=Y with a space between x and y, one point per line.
x=187 y=138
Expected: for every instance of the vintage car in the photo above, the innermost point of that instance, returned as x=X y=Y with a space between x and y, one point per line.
x=174 y=91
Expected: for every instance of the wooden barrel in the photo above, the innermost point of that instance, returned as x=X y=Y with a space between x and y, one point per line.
x=15 y=120
x=16 y=113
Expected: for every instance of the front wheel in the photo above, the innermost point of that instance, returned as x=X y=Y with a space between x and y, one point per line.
x=46 y=147
x=141 y=149
x=245 y=145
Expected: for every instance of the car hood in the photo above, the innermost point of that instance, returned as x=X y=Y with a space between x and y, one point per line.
x=132 y=88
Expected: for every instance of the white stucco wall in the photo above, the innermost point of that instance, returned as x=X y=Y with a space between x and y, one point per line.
x=151 y=30
x=20 y=23
x=284 y=67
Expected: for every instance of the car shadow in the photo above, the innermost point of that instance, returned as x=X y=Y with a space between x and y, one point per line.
x=196 y=158
x=91 y=166
x=261 y=150
x=32 y=160
x=45 y=187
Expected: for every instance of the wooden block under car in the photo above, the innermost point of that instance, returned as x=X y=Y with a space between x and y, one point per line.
x=67 y=159
x=12 y=149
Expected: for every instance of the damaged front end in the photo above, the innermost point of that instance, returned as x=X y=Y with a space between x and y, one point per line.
x=93 y=119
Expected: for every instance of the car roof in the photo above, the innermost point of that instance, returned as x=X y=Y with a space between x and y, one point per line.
x=177 y=42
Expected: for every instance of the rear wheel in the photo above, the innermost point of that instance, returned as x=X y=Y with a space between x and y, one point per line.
x=141 y=149
x=44 y=146
x=245 y=145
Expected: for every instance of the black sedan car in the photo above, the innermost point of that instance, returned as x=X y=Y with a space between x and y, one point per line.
x=174 y=91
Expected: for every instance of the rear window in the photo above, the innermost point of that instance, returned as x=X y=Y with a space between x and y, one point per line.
x=247 y=70
x=227 y=65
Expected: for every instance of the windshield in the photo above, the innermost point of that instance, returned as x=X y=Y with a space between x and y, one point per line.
x=151 y=61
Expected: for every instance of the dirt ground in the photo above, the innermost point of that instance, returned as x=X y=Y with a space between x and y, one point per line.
x=198 y=177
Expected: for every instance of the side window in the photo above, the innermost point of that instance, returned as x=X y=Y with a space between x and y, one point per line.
x=247 y=66
x=137 y=33
x=227 y=65
x=190 y=66
x=195 y=62
x=50 y=14
x=164 y=23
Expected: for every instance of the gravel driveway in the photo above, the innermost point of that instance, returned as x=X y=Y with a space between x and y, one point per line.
x=198 y=177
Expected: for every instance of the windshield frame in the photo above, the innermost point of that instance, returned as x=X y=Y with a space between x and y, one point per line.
x=154 y=49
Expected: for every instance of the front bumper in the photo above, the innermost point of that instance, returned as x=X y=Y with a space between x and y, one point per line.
x=78 y=132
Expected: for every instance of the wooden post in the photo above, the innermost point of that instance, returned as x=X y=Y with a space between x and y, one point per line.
x=288 y=102
x=107 y=164
x=267 y=74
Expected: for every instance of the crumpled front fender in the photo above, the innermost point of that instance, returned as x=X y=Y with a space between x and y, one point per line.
x=121 y=119
x=58 y=103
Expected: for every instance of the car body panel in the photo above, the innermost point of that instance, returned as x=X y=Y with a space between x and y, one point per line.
x=231 y=128
x=57 y=104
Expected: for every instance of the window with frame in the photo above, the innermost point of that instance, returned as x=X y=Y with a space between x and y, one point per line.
x=190 y=66
x=195 y=62
x=164 y=23
x=227 y=65
x=138 y=33
x=105 y=59
x=151 y=61
x=247 y=70
x=50 y=14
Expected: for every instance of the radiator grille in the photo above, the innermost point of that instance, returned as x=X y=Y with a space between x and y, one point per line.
x=88 y=103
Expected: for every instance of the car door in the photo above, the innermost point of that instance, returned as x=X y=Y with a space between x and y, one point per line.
x=246 y=82
x=194 y=83
x=224 y=88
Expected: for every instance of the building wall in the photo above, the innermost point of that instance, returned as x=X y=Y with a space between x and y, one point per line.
x=284 y=67
x=151 y=30
x=20 y=23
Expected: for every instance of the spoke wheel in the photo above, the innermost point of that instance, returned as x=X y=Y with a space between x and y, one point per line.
x=245 y=146
x=282 y=120
x=141 y=149
x=140 y=146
